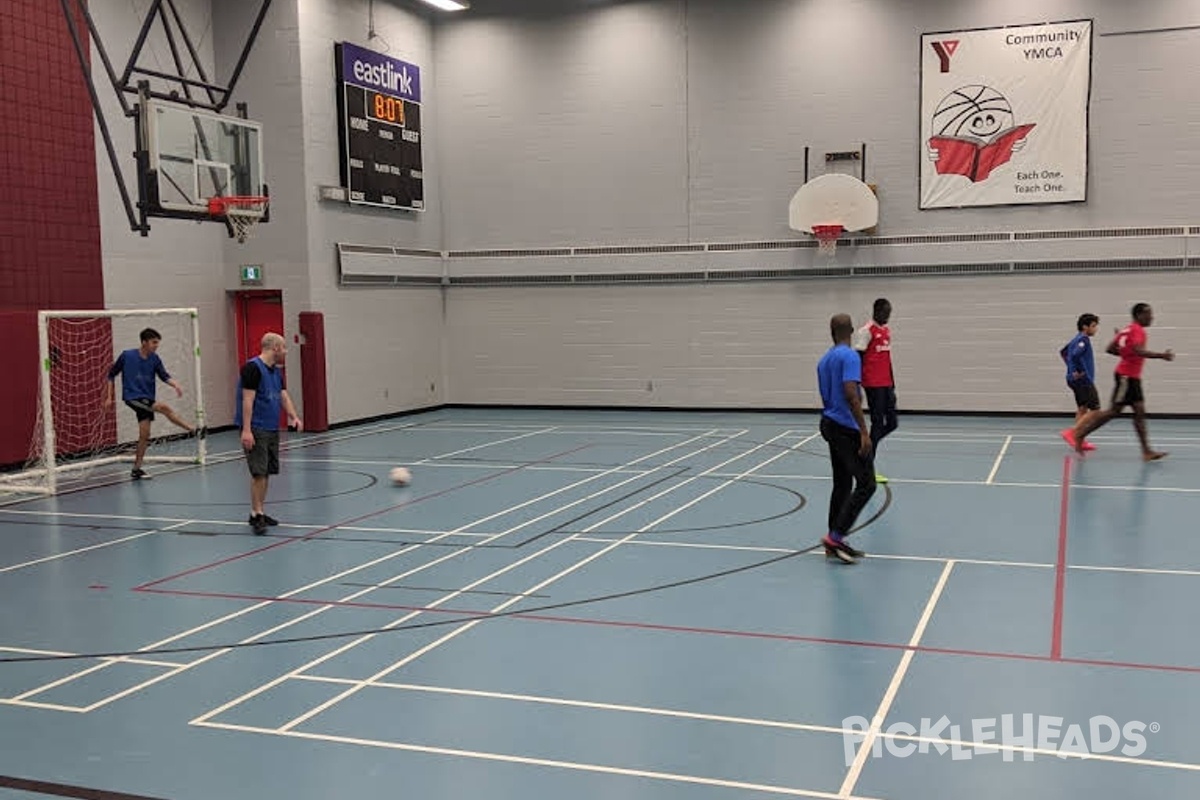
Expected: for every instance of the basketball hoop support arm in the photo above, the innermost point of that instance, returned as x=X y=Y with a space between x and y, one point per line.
x=134 y=223
x=122 y=84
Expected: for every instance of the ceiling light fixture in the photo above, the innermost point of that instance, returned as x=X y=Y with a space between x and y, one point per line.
x=449 y=5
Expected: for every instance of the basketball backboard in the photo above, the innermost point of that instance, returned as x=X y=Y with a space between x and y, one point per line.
x=193 y=156
x=834 y=198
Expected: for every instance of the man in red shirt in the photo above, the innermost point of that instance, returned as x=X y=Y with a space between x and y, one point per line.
x=1130 y=345
x=874 y=342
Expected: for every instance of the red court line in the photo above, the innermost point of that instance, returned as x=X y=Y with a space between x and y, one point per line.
x=1060 y=566
x=360 y=518
x=667 y=628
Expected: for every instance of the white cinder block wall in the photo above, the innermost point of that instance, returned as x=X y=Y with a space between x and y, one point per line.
x=654 y=123
x=685 y=121
x=383 y=348
x=180 y=264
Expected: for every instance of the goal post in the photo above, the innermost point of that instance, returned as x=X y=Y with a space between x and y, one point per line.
x=77 y=437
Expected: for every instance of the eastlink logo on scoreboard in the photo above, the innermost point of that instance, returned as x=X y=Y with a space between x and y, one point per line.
x=372 y=70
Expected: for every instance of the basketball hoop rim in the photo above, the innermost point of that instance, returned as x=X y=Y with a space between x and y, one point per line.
x=827 y=232
x=237 y=204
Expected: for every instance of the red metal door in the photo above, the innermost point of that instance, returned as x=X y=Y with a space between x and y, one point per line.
x=258 y=313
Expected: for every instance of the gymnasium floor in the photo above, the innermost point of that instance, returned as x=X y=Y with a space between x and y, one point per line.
x=612 y=604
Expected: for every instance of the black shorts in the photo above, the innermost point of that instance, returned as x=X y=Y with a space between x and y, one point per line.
x=143 y=407
x=1086 y=395
x=1126 y=391
x=263 y=458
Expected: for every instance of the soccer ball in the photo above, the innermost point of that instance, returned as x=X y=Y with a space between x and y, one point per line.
x=400 y=476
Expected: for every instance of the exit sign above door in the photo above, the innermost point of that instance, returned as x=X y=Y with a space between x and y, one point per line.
x=252 y=275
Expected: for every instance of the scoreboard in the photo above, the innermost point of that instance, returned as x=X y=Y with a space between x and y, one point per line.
x=379 y=112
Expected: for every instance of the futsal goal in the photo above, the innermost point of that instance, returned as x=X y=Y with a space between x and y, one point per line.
x=79 y=437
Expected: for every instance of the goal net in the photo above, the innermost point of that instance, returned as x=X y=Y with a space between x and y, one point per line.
x=79 y=437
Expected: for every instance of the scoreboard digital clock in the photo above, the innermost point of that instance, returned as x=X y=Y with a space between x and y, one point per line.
x=379 y=108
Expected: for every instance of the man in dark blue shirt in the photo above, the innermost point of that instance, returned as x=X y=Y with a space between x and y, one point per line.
x=138 y=367
x=1080 y=360
x=261 y=398
x=839 y=375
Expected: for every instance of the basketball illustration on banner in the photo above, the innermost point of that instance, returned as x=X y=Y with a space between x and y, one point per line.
x=974 y=133
x=1004 y=115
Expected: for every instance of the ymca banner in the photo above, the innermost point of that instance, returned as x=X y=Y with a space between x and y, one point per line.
x=1004 y=115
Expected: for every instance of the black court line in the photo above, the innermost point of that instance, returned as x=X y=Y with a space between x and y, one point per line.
x=305 y=539
x=64 y=790
x=621 y=498
x=436 y=589
x=456 y=619
x=370 y=480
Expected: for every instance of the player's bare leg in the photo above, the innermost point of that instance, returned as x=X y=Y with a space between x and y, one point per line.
x=258 y=494
x=1139 y=424
x=142 y=445
x=1083 y=416
x=171 y=415
x=1090 y=424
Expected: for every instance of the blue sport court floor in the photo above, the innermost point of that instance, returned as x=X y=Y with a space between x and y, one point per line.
x=612 y=605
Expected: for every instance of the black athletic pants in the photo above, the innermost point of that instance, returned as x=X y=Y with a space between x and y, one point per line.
x=882 y=403
x=853 y=475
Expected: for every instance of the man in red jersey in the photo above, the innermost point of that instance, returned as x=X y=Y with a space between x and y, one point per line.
x=1130 y=345
x=874 y=342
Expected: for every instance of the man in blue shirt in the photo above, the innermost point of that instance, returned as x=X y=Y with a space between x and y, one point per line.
x=839 y=375
x=137 y=368
x=261 y=396
x=1080 y=360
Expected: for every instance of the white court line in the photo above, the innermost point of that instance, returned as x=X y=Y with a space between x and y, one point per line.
x=560 y=701
x=355 y=595
x=360 y=640
x=995 y=747
x=430 y=462
x=749 y=721
x=594 y=427
x=540 y=586
x=1002 y=484
x=484 y=445
x=983 y=562
x=89 y=548
x=864 y=750
x=764 y=476
x=44 y=706
x=241 y=523
x=991 y=478
x=227 y=456
x=369 y=564
x=530 y=761
x=579 y=430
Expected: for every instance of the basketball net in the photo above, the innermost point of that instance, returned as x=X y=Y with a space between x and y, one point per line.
x=240 y=213
x=827 y=238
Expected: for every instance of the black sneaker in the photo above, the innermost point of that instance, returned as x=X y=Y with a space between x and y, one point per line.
x=853 y=553
x=259 y=524
x=266 y=520
x=138 y=474
x=841 y=551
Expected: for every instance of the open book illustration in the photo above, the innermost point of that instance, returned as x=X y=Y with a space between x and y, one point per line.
x=975 y=159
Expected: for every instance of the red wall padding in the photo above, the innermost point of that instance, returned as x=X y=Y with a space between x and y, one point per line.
x=312 y=369
x=18 y=390
x=49 y=210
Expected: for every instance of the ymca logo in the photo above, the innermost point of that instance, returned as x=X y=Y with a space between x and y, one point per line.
x=944 y=51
